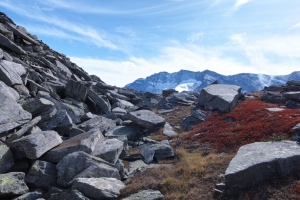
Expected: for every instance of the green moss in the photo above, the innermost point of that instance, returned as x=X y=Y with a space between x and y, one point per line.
x=6 y=180
x=35 y=168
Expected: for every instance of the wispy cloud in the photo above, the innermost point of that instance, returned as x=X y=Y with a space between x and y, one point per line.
x=295 y=26
x=195 y=37
x=239 y=3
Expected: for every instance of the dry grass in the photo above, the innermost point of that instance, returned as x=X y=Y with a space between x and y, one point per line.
x=192 y=177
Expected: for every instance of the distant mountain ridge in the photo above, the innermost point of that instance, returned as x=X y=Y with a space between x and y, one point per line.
x=185 y=80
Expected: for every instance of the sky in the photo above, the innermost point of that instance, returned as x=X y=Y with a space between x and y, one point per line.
x=123 y=40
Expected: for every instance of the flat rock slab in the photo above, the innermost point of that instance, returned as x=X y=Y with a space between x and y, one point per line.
x=12 y=184
x=68 y=195
x=34 y=195
x=41 y=174
x=147 y=119
x=83 y=142
x=220 y=97
x=292 y=95
x=99 y=188
x=102 y=123
x=261 y=160
x=10 y=72
x=38 y=106
x=109 y=150
x=11 y=113
x=6 y=158
x=130 y=132
x=168 y=130
x=146 y=195
x=82 y=165
x=76 y=90
x=157 y=152
x=35 y=145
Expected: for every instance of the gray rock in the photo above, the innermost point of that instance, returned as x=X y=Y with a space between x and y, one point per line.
x=12 y=184
x=38 y=106
x=103 y=105
x=98 y=188
x=147 y=119
x=34 y=146
x=1 y=54
x=102 y=123
x=261 y=160
x=168 y=130
x=21 y=32
x=131 y=132
x=69 y=194
x=54 y=121
x=11 y=113
x=296 y=128
x=76 y=90
x=109 y=150
x=123 y=104
x=87 y=116
x=10 y=45
x=82 y=165
x=291 y=95
x=146 y=195
x=6 y=158
x=84 y=142
x=168 y=92
x=41 y=174
x=220 y=97
x=157 y=152
x=10 y=72
x=34 y=195
x=63 y=68
x=190 y=121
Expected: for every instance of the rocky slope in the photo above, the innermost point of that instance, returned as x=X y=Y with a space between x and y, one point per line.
x=195 y=81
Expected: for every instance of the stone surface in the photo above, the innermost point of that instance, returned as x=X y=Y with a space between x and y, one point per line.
x=84 y=142
x=38 y=106
x=157 y=152
x=102 y=123
x=131 y=132
x=261 y=160
x=10 y=72
x=103 y=105
x=82 y=165
x=146 y=195
x=220 y=97
x=35 y=145
x=34 y=195
x=291 y=95
x=168 y=130
x=98 y=188
x=10 y=45
x=12 y=184
x=6 y=158
x=76 y=90
x=41 y=174
x=68 y=195
x=147 y=119
x=190 y=121
x=109 y=150
x=11 y=113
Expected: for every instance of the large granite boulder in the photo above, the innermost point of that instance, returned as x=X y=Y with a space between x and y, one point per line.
x=98 y=188
x=11 y=113
x=41 y=174
x=261 y=160
x=220 y=97
x=109 y=150
x=12 y=184
x=35 y=145
x=6 y=158
x=147 y=119
x=157 y=151
x=82 y=165
x=83 y=142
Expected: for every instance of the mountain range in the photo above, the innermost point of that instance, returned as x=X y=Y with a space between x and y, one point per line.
x=185 y=80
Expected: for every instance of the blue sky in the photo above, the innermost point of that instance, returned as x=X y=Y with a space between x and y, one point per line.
x=122 y=40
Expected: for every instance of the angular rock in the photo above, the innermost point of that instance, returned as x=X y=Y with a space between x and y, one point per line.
x=69 y=194
x=168 y=130
x=38 y=106
x=157 y=152
x=168 y=92
x=146 y=195
x=6 y=158
x=12 y=184
x=147 y=119
x=190 y=121
x=21 y=32
x=103 y=105
x=109 y=150
x=259 y=161
x=54 y=121
x=63 y=68
x=41 y=174
x=102 y=123
x=10 y=72
x=82 y=165
x=291 y=95
x=34 y=195
x=131 y=132
x=220 y=97
x=10 y=45
x=34 y=146
x=11 y=113
x=99 y=188
x=76 y=90
x=84 y=142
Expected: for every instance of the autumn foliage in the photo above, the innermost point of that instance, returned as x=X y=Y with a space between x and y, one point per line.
x=249 y=122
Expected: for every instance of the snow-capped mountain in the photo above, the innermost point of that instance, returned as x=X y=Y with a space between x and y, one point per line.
x=185 y=80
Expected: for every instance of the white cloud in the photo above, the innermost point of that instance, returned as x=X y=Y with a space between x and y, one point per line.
x=295 y=26
x=239 y=3
x=195 y=37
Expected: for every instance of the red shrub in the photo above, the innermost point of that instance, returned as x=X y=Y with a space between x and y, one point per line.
x=249 y=122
